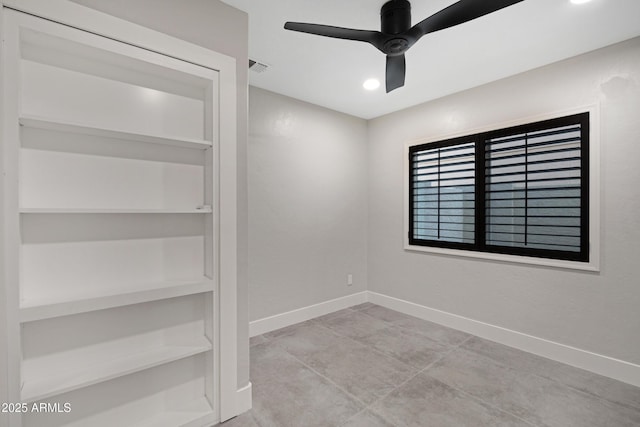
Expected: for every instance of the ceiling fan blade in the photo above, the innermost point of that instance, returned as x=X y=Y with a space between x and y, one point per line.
x=396 y=67
x=376 y=38
x=458 y=13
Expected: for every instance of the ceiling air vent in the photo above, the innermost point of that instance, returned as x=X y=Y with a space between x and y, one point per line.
x=257 y=67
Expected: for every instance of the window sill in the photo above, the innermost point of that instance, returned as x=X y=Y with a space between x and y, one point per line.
x=592 y=266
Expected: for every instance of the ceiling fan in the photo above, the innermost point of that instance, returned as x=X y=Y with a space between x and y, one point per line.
x=397 y=35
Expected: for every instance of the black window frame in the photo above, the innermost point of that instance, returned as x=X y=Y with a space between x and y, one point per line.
x=480 y=139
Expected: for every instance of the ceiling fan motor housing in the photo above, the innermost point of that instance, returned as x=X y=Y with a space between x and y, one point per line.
x=395 y=17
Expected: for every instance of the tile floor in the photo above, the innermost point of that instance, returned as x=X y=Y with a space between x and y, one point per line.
x=368 y=366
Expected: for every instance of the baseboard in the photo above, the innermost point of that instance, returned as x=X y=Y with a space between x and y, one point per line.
x=596 y=363
x=244 y=400
x=593 y=362
x=268 y=324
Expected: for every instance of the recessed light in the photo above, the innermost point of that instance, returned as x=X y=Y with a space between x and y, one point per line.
x=580 y=1
x=371 y=84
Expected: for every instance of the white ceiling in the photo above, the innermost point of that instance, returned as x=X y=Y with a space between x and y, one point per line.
x=330 y=72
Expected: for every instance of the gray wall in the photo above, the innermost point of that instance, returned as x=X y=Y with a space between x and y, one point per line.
x=307 y=204
x=224 y=29
x=4 y=374
x=598 y=312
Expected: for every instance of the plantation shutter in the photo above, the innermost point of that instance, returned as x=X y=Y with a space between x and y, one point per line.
x=522 y=190
x=535 y=195
x=443 y=193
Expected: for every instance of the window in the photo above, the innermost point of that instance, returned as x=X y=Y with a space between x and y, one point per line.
x=522 y=190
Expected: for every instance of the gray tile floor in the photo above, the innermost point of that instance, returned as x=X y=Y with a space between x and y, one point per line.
x=368 y=366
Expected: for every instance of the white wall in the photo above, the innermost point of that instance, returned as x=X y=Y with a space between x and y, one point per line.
x=597 y=312
x=307 y=204
x=224 y=29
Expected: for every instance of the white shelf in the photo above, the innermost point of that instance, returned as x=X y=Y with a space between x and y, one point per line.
x=112 y=169
x=63 y=305
x=197 y=413
x=199 y=209
x=43 y=388
x=62 y=126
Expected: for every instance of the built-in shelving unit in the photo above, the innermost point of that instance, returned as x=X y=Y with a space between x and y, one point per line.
x=115 y=202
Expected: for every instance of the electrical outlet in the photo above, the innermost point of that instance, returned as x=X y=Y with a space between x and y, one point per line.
x=349 y=279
